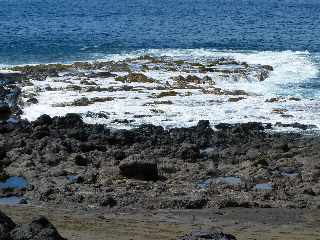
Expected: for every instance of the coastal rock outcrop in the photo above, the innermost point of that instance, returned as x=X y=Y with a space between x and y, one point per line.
x=39 y=229
x=232 y=165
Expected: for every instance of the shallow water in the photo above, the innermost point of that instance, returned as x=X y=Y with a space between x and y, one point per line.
x=11 y=200
x=14 y=183
x=263 y=186
x=221 y=180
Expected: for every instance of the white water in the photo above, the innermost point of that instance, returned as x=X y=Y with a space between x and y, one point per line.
x=292 y=70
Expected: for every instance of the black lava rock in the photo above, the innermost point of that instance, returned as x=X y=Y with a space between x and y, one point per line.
x=139 y=169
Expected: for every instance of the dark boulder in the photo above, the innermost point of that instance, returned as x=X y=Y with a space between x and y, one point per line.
x=70 y=120
x=43 y=120
x=39 y=229
x=3 y=153
x=139 y=168
x=6 y=225
x=203 y=125
x=5 y=111
x=32 y=101
x=107 y=201
x=200 y=235
x=81 y=160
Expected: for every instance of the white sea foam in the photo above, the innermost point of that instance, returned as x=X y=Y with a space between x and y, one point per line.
x=291 y=69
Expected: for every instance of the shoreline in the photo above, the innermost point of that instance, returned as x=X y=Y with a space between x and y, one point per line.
x=234 y=168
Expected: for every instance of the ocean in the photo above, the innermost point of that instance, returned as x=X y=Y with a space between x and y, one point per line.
x=284 y=34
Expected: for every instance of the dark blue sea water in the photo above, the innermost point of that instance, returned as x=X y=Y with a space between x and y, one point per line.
x=67 y=30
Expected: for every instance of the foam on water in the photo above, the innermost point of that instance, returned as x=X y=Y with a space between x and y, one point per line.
x=292 y=70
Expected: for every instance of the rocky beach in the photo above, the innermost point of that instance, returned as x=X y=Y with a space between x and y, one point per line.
x=72 y=144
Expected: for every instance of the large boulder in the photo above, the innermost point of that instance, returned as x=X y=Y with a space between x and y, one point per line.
x=43 y=120
x=200 y=235
x=39 y=229
x=139 y=168
x=5 y=111
x=6 y=225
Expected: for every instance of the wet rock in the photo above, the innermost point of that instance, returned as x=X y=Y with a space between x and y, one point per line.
x=11 y=77
x=135 y=77
x=296 y=125
x=139 y=168
x=86 y=82
x=294 y=99
x=43 y=120
x=279 y=110
x=166 y=94
x=84 y=101
x=69 y=120
x=101 y=74
x=80 y=102
x=41 y=71
x=203 y=125
x=274 y=99
x=200 y=235
x=39 y=229
x=73 y=88
x=263 y=74
x=32 y=101
x=236 y=99
x=194 y=79
x=208 y=80
x=101 y=114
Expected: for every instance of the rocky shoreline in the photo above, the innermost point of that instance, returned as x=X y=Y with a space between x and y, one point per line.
x=65 y=163
x=166 y=91
x=69 y=163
